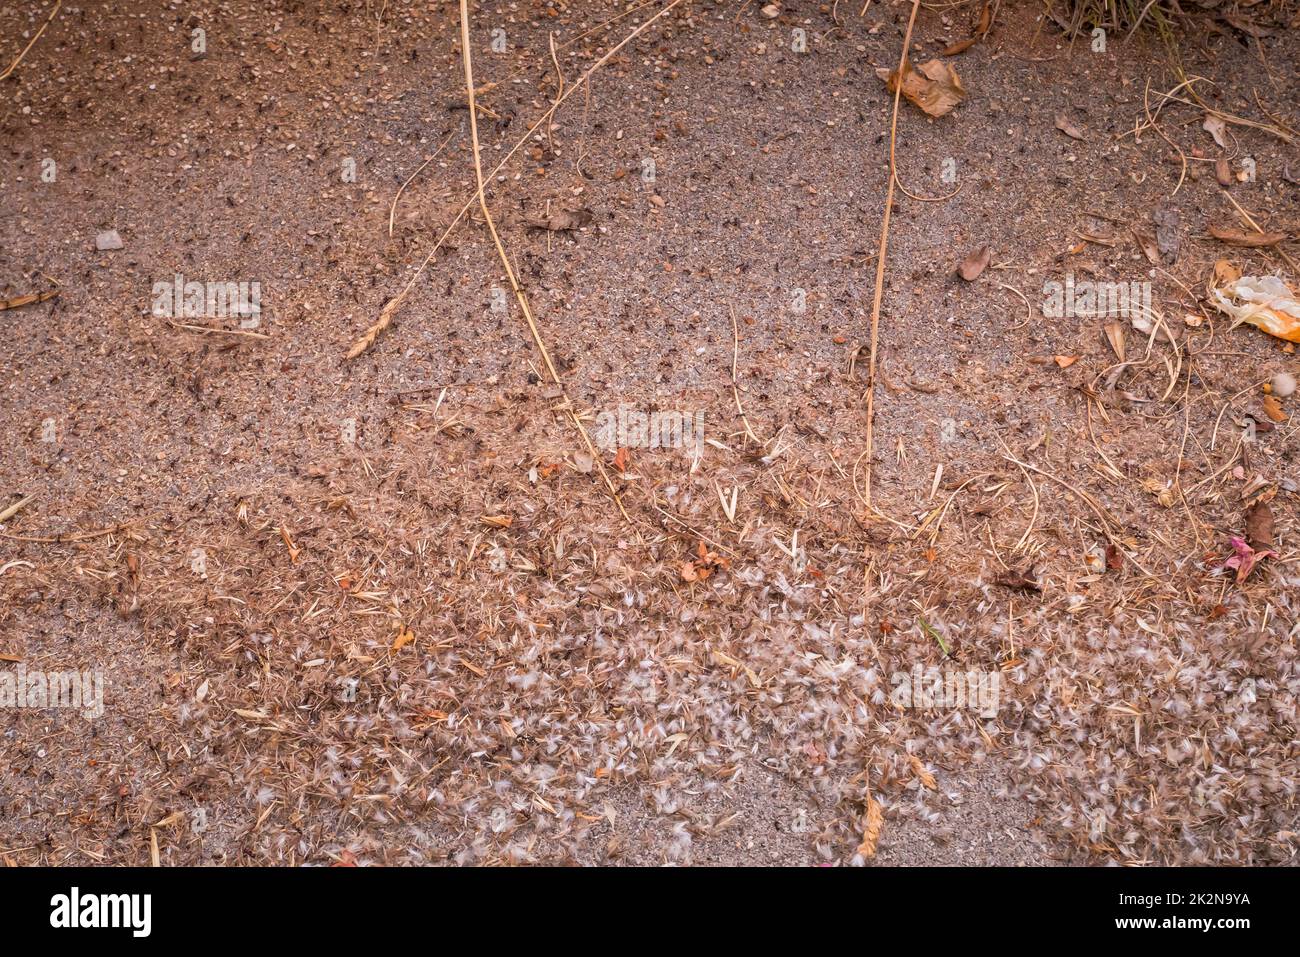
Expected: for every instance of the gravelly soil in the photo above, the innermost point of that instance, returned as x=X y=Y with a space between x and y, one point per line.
x=569 y=694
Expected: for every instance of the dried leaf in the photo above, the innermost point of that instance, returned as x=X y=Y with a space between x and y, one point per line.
x=1217 y=128
x=1223 y=172
x=404 y=637
x=1065 y=361
x=1164 y=495
x=1273 y=408
x=1225 y=272
x=1150 y=248
x=1099 y=239
x=961 y=46
x=974 y=264
x=621 y=459
x=497 y=521
x=702 y=567
x=935 y=87
x=1022 y=579
x=981 y=28
x=1247 y=27
x=560 y=220
x=1245 y=558
x=1068 y=128
x=294 y=550
x=1238 y=237
x=1116 y=334
x=1259 y=526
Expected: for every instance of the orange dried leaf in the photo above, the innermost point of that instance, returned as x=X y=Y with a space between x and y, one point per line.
x=935 y=87
x=404 y=637
x=1225 y=272
x=1273 y=408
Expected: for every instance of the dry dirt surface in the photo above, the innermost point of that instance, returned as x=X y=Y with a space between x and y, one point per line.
x=386 y=610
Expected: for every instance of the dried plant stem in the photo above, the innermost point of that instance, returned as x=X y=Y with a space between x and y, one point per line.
x=880 y=258
x=735 y=387
x=19 y=59
x=390 y=309
x=468 y=60
x=31 y=298
x=925 y=199
x=59 y=539
x=392 y=210
x=1151 y=122
x=15 y=508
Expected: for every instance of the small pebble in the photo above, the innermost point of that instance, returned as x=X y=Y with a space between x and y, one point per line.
x=1283 y=384
x=109 y=240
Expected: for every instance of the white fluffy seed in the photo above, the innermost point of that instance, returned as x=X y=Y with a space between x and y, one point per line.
x=1283 y=384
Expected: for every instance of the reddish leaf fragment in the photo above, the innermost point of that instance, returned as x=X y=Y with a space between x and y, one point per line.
x=1245 y=558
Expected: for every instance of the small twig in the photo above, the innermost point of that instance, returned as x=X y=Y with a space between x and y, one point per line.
x=468 y=60
x=925 y=199
x=880 y=256
x=17 y=302
x=13 y=509
x=392 y=210
x=1023 y=299
x=213 y=331
x=735 y=388
x=1161 y=133
x=59 y=539
x=390 y=309
x=694 y=531
x=19 y=59
x=559 y=92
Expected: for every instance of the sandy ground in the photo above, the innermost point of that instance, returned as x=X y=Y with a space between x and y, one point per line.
x=384 y=610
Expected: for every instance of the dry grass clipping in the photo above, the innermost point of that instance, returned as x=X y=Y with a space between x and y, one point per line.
x=880 y=257
x=386 y=314
x=468 y=60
